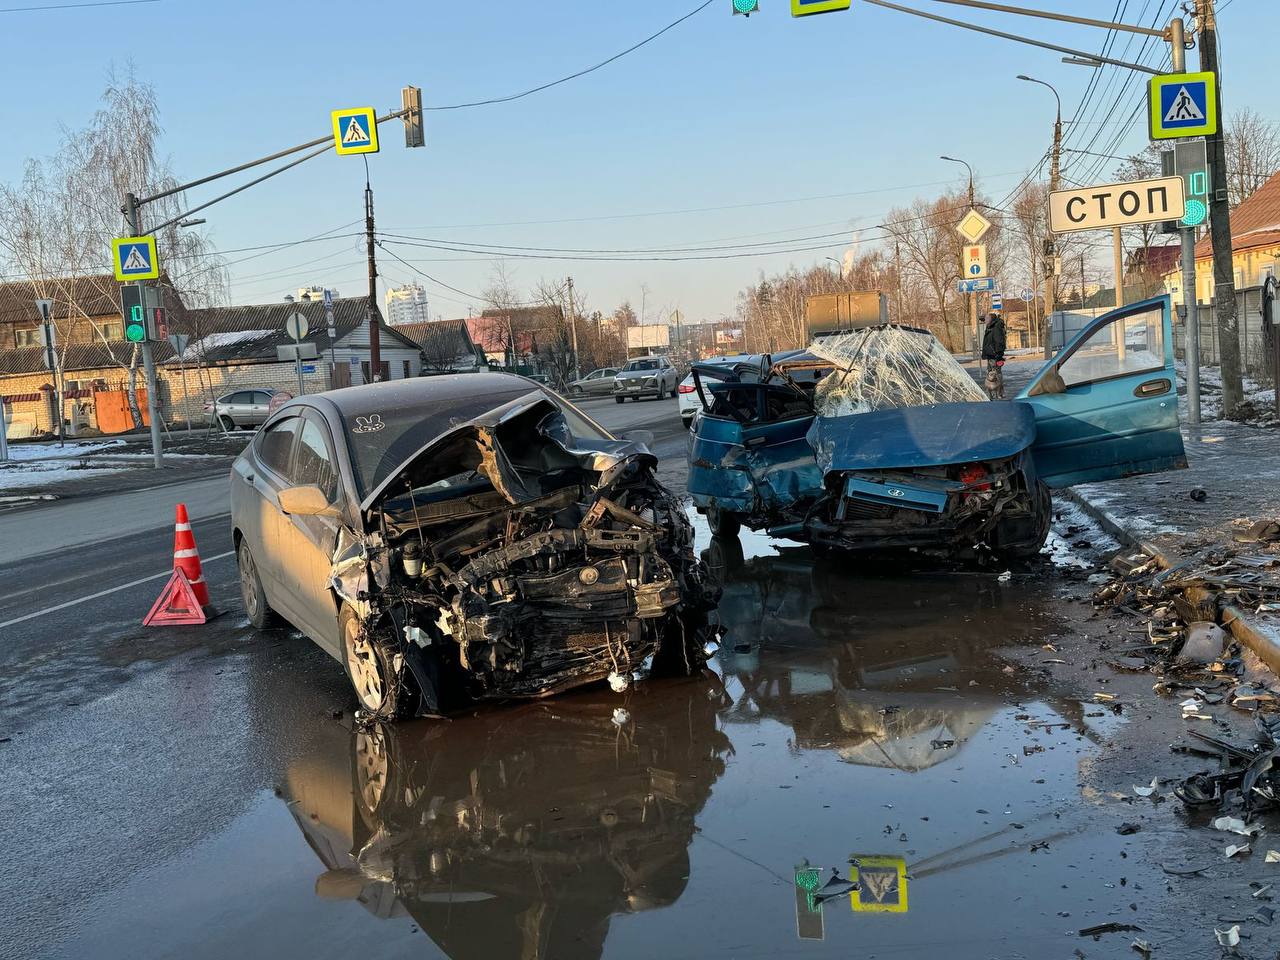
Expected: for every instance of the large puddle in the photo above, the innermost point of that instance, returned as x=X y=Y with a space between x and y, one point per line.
x=860 y=724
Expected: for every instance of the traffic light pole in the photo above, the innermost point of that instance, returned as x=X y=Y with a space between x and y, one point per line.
x=148 y=362
x=1187 y=236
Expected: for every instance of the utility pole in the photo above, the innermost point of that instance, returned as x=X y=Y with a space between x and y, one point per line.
x=1117 y=245
x=1187 y=236
x=573 y=328
x=897 y=275
x=148 y=363
x=1224 y=279
x=375 y=345
x=1050 y=249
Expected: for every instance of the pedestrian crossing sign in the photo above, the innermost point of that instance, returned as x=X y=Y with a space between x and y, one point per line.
x=1184 y=105
x=134 y=258
x=355 y=130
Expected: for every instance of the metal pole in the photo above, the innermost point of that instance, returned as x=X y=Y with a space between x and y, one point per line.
x=1060 y=17
x=4 y=434
x=573 y=327
x=1224 y=279
x=1117 y=248
x=375 y=344
x=1187 y=236
x=182 y=365
x=148 y=362
x=297 y=357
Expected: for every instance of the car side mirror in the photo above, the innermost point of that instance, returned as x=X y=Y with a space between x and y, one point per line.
x=306 y=501
x=1050 y=383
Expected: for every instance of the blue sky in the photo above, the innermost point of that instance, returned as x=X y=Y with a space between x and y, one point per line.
x=721 y=112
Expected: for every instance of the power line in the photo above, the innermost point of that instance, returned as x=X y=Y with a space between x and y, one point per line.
x=580 y=73
x=75 y=6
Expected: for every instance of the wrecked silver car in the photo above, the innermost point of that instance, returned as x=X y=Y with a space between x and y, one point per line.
x=451 y=539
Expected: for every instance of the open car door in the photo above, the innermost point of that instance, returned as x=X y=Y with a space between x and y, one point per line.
x=1107 y=405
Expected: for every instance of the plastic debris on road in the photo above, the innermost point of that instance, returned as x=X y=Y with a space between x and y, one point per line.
x=1229 y=937
x=1236 y=849
x=1236 y=825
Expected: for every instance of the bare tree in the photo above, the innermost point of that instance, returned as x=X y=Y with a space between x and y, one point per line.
x=60 y=220
x=930 y=253
x=1253 y=154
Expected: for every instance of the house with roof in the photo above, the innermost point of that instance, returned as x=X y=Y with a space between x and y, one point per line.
x=521 y=338
x=446 y=346
x=1255 y=246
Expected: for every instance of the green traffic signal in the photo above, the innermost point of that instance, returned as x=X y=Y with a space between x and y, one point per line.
x=135 y=331
x=746 y=7
x=1195 y=213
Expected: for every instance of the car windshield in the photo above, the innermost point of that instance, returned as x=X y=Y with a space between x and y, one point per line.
x=642 y=365
x=882 y=368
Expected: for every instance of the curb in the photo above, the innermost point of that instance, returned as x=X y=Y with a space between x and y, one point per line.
x=1265 y=646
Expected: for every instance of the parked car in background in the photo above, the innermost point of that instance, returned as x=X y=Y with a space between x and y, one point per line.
x=646 y=377
x=466 y=537
x=597 y=383
x=897 y=446
x=244 y=408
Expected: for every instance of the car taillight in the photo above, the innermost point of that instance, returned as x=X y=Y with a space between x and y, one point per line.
x=972 y=475
x=687 y=388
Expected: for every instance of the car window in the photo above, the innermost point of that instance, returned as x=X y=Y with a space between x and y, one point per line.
x=274 y=444
x=261 y=396
x=642 y=365
x=241 y=397
x=313 y=464
x=1132 y=344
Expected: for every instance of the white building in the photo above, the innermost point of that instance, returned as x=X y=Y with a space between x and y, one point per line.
x=407 y=304
x=314 y=293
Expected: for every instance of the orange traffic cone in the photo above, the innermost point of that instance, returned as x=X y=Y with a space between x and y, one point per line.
x=186 y=558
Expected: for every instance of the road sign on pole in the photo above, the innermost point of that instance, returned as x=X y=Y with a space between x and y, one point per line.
x=355 y=130
x=1028 y=294
x=974 y=261
x=1183 y=105
x=973 y=226
x=806 y=8
x=976 y=286
x=1117 y=205
x=134 y=258
x=297 y=327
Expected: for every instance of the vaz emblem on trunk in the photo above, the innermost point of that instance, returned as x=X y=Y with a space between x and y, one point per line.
x=895 y=492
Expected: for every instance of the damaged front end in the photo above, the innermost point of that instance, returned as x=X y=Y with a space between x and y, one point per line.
x=517 y=557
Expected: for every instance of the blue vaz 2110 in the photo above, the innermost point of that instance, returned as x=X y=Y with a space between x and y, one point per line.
x=878 y=438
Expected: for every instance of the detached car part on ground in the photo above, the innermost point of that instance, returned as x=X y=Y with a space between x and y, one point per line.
x=878 y=438
x=461 y=538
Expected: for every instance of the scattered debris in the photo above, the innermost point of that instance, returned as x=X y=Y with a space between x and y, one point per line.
x=1148 y=791
x=1127 y=829
x=1142 y=946
x=1111 y=927
x=1204 y=643
x=1005 y=577
x=1263 y=531
x=1199 y=495
x=1273 y=856
x=1238 y=848
x=1252 y=771
x=1236 y=825
x=1265 y=915
x=1262 y=891
x=1229 y=937
x=1187 y=871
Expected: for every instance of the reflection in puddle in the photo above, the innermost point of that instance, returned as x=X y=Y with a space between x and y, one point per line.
x=517 y=833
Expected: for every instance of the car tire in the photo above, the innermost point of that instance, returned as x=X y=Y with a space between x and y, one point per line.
x=620 y=399
x=226 y=423
x=723 y=523
x=577 y=393
x=252 y=595
x=381 y=690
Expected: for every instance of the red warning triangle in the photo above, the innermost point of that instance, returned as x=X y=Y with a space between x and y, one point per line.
x=176 y=604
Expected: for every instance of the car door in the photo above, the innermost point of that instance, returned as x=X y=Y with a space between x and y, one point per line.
x=259 y=406
x=260 y=483
x=1107 y=405
x=309 y=542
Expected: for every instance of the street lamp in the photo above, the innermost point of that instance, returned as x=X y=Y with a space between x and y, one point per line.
x=839 y=267
x=967 y=167
x=192 y=223
x=1055 y=180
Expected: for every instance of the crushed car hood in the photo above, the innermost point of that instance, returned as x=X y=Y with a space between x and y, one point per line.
x=928 y=436
x=602 y=456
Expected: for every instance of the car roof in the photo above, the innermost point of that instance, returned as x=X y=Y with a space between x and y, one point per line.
x=441 y=392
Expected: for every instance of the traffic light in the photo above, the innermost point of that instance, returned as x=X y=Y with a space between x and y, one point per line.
x=746 y=7
x=135 y=331
x=1189 y=160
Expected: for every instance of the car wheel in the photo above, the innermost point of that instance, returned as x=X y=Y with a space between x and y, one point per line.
x=620 y=399
x=379 y=686
x=723 y=523
x=251 y=593
x=227 y=423
x=576 y=392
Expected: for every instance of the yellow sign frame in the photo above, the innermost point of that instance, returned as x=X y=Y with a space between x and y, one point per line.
x=1156 y=109
x=150 y=244
x=807 y=8
x=879 y=864
x=341 y=115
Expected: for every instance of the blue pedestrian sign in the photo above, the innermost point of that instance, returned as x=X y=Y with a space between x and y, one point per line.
x=977 y=286
x=1183 y=105
x=355 y=130
x=1028 y=294
x=134 y=258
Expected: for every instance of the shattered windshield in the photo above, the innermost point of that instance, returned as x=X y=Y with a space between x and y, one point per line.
x=883 y=368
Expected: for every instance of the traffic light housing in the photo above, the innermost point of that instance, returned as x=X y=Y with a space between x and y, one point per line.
x=135 y=328
x=411 y=103
x=745 y=7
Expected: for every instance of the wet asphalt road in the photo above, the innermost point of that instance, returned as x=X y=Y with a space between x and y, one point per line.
x=201 y=792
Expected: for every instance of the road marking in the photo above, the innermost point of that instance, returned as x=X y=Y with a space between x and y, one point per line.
x=103 y=593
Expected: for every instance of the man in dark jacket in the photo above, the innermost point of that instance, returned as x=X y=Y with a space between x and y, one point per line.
x=993 y=340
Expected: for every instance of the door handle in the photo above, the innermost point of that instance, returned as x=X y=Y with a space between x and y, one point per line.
x=247 y=478
x=1152 y=388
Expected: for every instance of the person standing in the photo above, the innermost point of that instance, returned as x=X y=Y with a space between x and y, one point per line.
x=994 y=342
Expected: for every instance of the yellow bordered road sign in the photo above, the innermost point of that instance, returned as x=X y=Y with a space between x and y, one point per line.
x=882 y=885
x=355 y=130
x=134 y=258
x=1183 y=105
x=804 y=8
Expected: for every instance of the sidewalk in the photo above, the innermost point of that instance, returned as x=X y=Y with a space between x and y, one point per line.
x=1237 y=468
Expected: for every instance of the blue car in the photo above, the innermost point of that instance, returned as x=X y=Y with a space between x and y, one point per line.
x=877 y=438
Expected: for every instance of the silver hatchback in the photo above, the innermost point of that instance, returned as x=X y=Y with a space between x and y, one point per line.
x=244 y=408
